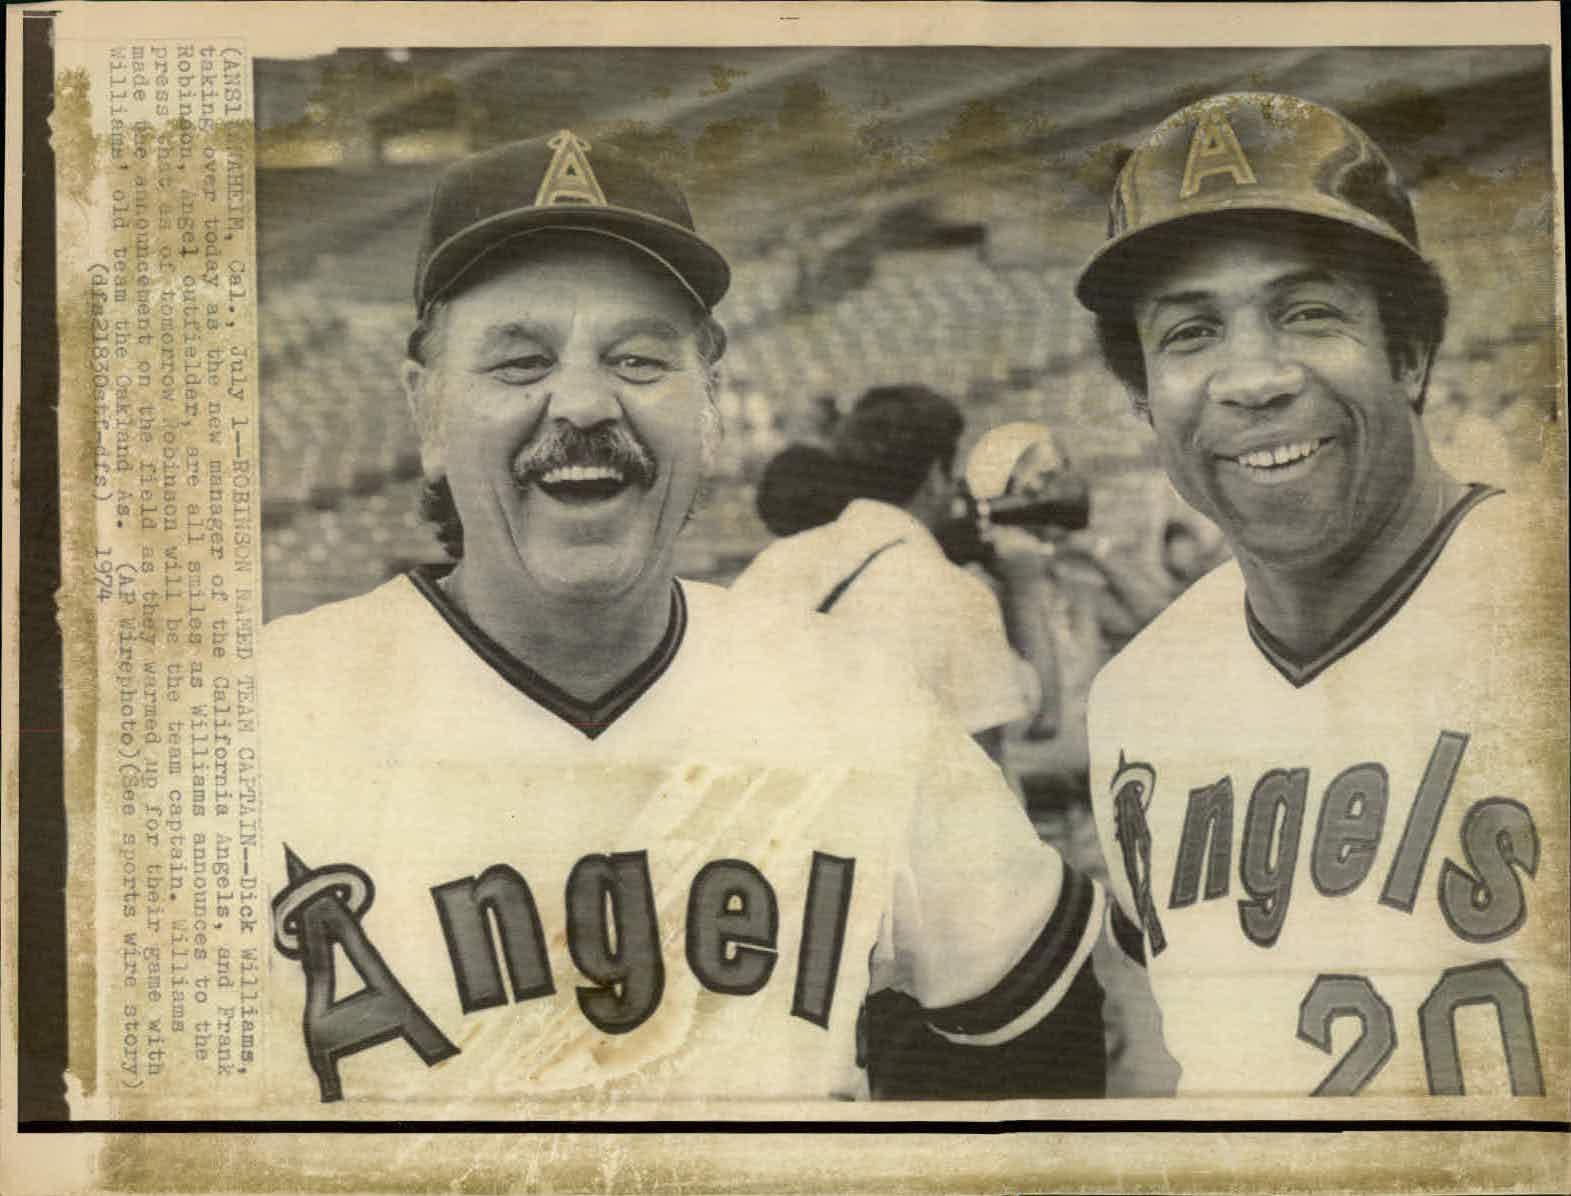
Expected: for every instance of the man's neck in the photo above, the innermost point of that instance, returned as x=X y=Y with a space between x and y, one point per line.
x=582 y=646
x=1305 y=609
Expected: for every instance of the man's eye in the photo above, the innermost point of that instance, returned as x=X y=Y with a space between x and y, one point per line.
x=634 y=367
x=518 y=371
x=1187 y=336
x=1310 y=313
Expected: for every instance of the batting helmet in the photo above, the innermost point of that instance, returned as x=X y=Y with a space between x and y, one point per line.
x=1250 y=152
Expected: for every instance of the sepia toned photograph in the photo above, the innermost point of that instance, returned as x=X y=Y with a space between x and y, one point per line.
x=987 y=597
x=901 y=275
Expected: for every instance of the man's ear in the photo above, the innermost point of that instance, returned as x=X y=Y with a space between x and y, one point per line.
x=711 y=431
x=419 y=384
x=1410 y=362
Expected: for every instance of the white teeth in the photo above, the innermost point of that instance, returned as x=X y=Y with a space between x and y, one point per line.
x=581 y=473
x=1282 y=454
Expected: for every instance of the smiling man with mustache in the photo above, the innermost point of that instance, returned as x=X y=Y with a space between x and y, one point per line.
x=549 y=824
x=1314 y=774
x=564 y=397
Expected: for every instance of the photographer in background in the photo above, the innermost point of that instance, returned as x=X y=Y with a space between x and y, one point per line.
x=1106 y=581
x=890 y=474
x=880 y=564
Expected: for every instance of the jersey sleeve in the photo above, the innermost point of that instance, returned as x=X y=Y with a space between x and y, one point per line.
x=760 y=578
x=983 y=680
x=988 y=925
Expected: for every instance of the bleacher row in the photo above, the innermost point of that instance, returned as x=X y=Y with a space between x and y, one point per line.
x=340 y=460
x=335 y=421
x=967 y=328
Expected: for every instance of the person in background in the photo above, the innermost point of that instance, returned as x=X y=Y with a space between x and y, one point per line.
x=1026 y=460
x=879 y=568
x=1168 y=547
x=989 y=660
x=800 y=489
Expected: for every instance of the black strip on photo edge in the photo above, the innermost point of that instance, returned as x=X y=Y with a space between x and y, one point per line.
x=41 y=844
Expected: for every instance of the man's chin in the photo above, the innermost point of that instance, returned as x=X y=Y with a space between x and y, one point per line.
x=594 y=552
x=1295 y=549
x=594 y=574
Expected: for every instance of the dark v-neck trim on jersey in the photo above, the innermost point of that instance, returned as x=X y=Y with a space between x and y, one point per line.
x=1374 y=614
x=591 y=718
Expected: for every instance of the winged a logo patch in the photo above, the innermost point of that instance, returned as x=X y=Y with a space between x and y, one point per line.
x=569 y=179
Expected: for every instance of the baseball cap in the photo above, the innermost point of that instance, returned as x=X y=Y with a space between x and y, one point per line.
x=1248 y=152
x=560 y=181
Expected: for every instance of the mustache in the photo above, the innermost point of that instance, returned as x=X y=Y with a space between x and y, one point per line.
x=611 y=446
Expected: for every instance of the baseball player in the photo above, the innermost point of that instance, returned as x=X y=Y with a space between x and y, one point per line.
x=550 y=824
x=1331 y=810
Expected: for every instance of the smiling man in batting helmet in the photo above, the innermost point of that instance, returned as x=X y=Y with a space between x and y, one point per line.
x=1294 y=768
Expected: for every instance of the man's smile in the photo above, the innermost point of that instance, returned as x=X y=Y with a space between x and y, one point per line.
x=587 y=470
x=577 y=485
x=1273 y=463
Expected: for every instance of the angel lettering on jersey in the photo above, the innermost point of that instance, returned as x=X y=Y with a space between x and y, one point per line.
x=613 y=937
x=1482 y=902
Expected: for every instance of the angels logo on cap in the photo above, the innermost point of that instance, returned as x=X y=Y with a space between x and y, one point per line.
x=1214 y=150
x=569 y=178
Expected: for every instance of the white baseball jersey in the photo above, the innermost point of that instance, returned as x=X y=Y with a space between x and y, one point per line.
x=908 y=596
x=683 y=890
x=1349 y=870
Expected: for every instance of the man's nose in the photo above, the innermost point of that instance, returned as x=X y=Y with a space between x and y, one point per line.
x=1254 y=370
x=584 y=394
